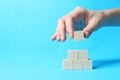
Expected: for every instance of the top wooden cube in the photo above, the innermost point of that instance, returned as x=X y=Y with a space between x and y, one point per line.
x=78 y=35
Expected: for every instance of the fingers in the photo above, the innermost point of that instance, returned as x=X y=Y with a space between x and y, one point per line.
x=60 y=31
x=65 y=24
x=70 y=26
x=61 y=36
x=58 y=35
x=54 y=36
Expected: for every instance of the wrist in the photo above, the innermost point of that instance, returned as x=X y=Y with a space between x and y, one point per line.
x=105 y=18
x=111 y=17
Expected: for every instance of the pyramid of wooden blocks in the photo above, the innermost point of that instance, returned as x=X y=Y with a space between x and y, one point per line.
x=78 y=35
x=77 y=60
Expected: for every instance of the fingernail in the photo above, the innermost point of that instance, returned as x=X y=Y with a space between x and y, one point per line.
x=86 y=34
x=71 y=36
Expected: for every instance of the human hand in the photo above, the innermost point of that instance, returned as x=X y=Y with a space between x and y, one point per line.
x=65 y=25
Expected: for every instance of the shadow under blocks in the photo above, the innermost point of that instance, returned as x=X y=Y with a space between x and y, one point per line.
x=106 y=63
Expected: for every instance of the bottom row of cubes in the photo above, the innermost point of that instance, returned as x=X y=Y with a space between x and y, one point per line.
x=77 y=64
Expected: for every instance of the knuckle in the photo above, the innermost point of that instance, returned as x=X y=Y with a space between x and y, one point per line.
x=62 y=28
x=80 y=9
x=69 y=17
x=77 y=8
x=60 y=20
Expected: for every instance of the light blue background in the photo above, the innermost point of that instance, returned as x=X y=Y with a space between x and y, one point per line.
x=27 y=53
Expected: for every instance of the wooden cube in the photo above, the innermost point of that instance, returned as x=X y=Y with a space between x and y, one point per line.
x=73 y=54
x=78 y=35
x=67 y=64
x=83 y=54
x=87 y=65
x=77 y=65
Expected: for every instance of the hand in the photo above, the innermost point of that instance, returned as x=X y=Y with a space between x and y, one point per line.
x=66 y=23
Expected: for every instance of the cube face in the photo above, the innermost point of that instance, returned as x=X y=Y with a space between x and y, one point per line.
x=83 y=55
x=67 y=65
x=87 y=64
x=77 y=65
x=73 y=55
x=78 y=35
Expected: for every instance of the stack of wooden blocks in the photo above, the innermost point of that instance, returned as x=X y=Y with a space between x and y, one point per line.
x=77 y=59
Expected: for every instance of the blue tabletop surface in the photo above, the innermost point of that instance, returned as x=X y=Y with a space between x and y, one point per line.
x=27 y=53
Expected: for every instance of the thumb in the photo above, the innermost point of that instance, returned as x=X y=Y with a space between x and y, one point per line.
x=88 y=30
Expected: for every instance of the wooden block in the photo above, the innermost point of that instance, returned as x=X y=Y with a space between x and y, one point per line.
x=73 y=54
x=77 y=65
x=78 y=35
x=67 y=64
x=87 y=65
x=83 y=54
